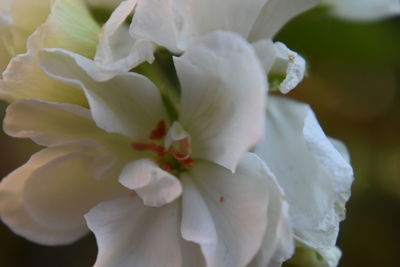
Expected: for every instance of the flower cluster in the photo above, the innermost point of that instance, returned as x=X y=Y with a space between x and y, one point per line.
x=161 y=136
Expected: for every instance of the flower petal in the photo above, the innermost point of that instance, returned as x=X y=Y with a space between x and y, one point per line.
x=289 y=63
x=155 y=186
x=276 y=58
x=278 y=244
x=175 y=23
x=313 y=174
x=14 y=213
x=364 y=10
x=71 y=185
x=23 y=78
x=275 y=14
x=26 y=20
x=40 y=121
x=117 y=51
x=129 y=233
x=6 y=46
x=222 y=99
x=227 y=214
x=266 y=53
x=128 y=104
x=63 y=28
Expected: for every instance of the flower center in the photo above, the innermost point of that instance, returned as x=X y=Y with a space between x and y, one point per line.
x=174 y=155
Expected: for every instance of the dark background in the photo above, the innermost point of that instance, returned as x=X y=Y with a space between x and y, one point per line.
x=354 y=87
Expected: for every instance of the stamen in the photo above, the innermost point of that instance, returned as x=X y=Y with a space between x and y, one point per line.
x=178 y=155
x=171 y=157
x=184 y=164
x=159 y=132
x=149 y=147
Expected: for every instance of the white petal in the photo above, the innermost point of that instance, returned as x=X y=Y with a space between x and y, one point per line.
x=289 y=63
x=222 y=99
x=278 y=244
x=175 y=23
x=227 y=214
x=26 y=20
x=5 y=39
x=128 y=104
x=155 y=186
x=131 y=234
x=68 y=26
x=364 y=10
x=276 y=58
x=13 y=211
x=40 y=121
x=117 y=50
x=60 y=192
x=314 y=176
x=275 y=14
x=266 y=53
x=23 y=78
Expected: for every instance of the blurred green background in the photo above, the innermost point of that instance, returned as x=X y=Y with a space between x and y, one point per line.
x=353 y=86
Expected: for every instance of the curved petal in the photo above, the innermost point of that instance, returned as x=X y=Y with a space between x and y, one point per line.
x=23 y=78
x=266 y=53
x=14 y=213
x=128 y=104
x=68 y=26
x=40 y=121
x=275 y=14
x=70 y=185
x=278 y=244
x=312 y=173
x=117 y=51
x=227 y=214
x=364 y=10
x=279 y=60
x=222 y=99
x=290 y=64
x=155 y=186
x=131 y=234
x=6 y=46
x=26 y=20
x=175 y=23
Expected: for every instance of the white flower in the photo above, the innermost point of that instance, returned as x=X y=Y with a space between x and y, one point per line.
x=364 y=10
x=313 y=171
x=127 y=151
x=174 y=24
x=63 y=24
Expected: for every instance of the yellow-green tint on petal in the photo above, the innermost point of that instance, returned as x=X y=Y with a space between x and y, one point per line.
x=305 y=257
x=26 y=16
x=71 y=26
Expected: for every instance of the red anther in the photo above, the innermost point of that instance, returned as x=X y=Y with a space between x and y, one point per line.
x=178 y=155
x=184 y=164
x=159 y=132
